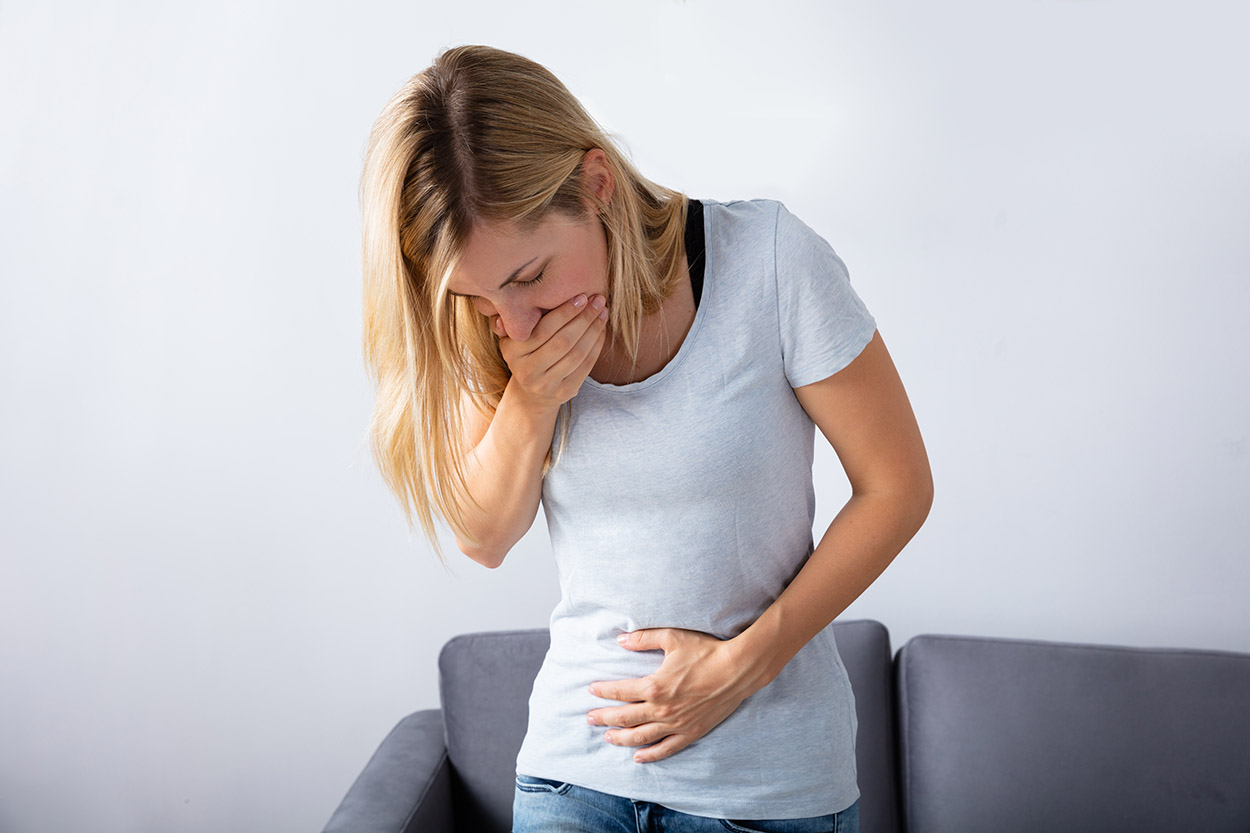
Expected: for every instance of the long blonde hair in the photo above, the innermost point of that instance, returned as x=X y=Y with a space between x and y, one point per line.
x=482 y=135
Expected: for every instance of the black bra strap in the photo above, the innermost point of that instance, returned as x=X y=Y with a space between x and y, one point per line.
x=695 y=247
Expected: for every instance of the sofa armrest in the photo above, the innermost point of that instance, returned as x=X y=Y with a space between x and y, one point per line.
x=405 y=787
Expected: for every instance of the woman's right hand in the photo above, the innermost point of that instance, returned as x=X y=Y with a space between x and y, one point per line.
x=550 y=366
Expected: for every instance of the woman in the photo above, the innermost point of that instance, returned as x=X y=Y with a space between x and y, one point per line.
x=545 y=325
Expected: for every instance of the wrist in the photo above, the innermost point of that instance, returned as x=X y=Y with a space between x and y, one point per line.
x=535 y=409
x=757 y=653
x=535 y=413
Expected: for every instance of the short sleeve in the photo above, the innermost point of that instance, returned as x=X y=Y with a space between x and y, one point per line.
x=824 y=324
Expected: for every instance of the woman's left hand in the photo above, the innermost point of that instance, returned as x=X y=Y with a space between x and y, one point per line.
x=700 y=682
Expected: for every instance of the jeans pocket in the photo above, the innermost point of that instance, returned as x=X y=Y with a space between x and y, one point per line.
x=534 y=784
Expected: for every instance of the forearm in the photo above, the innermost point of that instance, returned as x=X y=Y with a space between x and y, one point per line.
x=859 y=544
x=504 y=475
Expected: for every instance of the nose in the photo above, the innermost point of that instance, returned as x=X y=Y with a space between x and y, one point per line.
x=518 y=320
x=519 y=325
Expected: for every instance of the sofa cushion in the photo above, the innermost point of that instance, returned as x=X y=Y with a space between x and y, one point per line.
x=1015 y=735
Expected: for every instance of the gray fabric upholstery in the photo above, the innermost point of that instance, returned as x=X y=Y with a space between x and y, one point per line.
x=405 y=787
x=865 y=649
x=484 y=685
x=1013 y=735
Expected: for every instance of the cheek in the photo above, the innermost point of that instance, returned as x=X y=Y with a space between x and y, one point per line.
x=547 y=301
x=577 y=280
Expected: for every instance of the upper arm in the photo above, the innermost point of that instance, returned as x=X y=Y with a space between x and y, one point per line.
x=864 y=413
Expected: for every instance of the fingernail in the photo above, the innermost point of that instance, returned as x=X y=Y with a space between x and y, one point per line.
x=599 y=302
x=590 y=719
x=579 y=301
x=621 y=637
x=604 y=315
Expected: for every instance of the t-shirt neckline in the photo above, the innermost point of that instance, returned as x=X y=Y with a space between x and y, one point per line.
x=696 y=261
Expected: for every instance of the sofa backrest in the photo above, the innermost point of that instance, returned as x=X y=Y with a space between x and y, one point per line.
x=484 y=684
x=485 y=681
x=1015 y=735
x=864 y=645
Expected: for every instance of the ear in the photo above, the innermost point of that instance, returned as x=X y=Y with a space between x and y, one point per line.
x=597 y=174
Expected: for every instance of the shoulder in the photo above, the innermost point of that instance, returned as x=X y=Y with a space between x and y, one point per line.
x=752 y=219
x=764 y=227
x=750 y=212
x=739 y=226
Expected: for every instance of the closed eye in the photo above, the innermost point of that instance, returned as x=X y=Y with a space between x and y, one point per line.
x=530 y=282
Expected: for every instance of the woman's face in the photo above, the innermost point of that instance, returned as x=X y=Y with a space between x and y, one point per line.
x=520 y=277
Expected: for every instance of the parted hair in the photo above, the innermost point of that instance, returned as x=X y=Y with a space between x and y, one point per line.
x=481 y=135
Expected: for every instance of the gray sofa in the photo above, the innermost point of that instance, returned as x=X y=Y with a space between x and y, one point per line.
x=956 y=735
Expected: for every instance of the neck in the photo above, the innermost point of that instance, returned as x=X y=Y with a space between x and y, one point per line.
x=660 y=337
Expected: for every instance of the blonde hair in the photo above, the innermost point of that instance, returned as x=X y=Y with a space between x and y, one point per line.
x=482 y=135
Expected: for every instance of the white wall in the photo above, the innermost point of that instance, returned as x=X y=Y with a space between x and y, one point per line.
x=210 y=609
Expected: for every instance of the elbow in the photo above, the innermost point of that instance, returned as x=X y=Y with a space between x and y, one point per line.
x=489 y=557
x=924 y=488
x=493 y=541
x=910 y=499
x=922 y=497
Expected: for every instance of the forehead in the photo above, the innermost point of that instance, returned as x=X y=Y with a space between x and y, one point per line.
x=495 y=250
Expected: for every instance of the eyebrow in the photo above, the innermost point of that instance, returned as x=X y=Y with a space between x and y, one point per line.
x=515 y=273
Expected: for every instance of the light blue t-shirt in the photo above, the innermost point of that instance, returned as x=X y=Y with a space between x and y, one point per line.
x=685 y=500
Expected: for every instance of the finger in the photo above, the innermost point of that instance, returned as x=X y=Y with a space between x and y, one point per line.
x=608 y=690
x=588 y=363
x=554 y=320
x=586 y=347
x=623 y=691
x=545 y=356
x=639 y=736
x=621 y=718
x=666 y=747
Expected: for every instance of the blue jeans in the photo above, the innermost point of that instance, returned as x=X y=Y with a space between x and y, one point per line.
x=541 y=805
